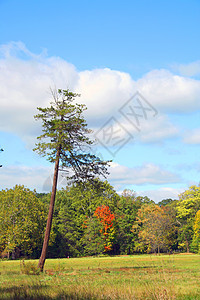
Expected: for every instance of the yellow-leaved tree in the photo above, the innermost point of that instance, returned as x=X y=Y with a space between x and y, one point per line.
x=187 y=208
x=196 y=238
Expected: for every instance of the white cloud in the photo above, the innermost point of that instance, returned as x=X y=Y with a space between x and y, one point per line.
x=39 y=178
x=104 y=91
x=161 y=193
x=116 y=133
x=147 y=174
x=191 y=69
x=31 y=177
x=169 y=92
x=156 y=130
x=25 y=79
x=24 y=85
x=192 y=137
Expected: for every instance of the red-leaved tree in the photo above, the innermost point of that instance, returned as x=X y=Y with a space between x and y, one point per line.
x=106 y=219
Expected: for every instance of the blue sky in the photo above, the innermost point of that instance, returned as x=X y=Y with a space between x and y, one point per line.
x=107 y=51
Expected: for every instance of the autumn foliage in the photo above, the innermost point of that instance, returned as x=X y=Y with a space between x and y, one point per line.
x=155 y=227
x=95 y=220
x=196 y=237
x=106 y=219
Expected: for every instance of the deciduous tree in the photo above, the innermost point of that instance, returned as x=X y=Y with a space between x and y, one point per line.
x=22 y=220
x=106 y=219
x=196 y=238
x=78 y=226
x=125 y=213
x=187 y=207
x=155 y=226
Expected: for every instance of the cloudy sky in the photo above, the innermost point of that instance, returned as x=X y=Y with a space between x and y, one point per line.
x=136 y=65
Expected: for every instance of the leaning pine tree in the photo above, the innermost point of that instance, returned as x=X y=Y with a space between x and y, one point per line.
x=66 y=137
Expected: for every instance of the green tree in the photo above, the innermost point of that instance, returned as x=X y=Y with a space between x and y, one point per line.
x=196 y=238
x=93 y=239
x=187 y=207
x=125 y=212
x=78 y=227
x=165 y=202
x=68 y=224
x=66 y=137
x=189 y=203
x=87 y=196
x=22 y=220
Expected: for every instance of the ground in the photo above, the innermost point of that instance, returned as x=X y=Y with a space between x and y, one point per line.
x=121 y=277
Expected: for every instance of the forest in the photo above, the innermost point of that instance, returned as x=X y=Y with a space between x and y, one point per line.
x=93 y=219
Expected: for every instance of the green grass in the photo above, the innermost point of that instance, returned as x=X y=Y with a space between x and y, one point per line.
x=124 y=277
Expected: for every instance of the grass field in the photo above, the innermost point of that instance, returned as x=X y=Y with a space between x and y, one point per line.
x=123 y=277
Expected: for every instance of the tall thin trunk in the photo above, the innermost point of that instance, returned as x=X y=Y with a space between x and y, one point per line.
x=50 y=215
x=187 y=246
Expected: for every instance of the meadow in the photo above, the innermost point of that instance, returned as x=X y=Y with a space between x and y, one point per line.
x=121 y=277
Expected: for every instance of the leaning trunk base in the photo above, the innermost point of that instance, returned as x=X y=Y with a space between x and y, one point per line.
x=50 y=215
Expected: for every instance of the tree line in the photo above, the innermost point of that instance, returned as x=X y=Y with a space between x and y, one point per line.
x=92 y=219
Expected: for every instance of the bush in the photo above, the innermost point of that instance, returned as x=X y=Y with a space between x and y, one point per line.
x=29 y=268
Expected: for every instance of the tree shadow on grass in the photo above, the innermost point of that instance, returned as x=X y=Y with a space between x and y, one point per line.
x=44 y=292
x=36 y=292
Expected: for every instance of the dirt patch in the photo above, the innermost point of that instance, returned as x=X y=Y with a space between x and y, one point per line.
x=185 y=253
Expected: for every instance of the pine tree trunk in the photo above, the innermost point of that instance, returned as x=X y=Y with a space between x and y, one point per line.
x=50 y=215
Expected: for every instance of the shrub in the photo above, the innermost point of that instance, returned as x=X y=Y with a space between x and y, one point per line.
x=29 y=268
